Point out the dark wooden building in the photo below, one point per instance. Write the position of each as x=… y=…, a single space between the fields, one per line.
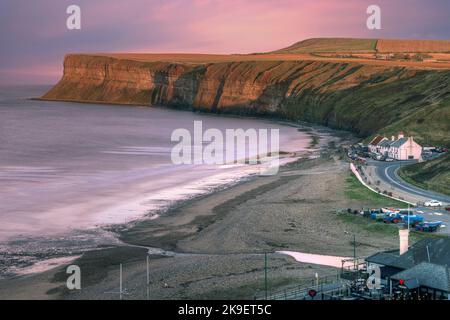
x=423 y=272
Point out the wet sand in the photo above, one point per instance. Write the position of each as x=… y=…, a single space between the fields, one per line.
x=216 y=243
x=68 y=170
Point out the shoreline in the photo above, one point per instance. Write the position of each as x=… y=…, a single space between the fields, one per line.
x=289 y=157
x=116 y=228
x=187 y=231
x=207 y=265
x=122 y=198
x=300 y=124
x=130 y=240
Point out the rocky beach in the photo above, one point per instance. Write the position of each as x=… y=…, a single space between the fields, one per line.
x=213 y=246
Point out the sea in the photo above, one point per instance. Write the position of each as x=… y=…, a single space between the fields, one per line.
x=70 y=171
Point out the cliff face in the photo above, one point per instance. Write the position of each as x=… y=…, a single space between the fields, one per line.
x=357 y=97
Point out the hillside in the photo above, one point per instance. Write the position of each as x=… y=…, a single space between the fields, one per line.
x=353 y=45
x=362 y=98
x=318 y=45
x=358 y=92
x=433 y=175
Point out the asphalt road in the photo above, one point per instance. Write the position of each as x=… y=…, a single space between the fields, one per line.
x=387 y=171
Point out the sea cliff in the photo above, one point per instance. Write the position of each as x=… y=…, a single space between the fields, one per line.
x=362 y=98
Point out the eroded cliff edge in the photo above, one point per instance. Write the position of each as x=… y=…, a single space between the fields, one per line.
x=346 y=95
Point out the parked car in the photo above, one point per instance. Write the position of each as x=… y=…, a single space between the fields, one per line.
x=377 y=214
x=392 y=218
x=377 y=157
x=413 y=219
x=365 y=213
x=428 y=226
x=433 y=203
x=389 y=160
x=397 y=218
x=447 y=208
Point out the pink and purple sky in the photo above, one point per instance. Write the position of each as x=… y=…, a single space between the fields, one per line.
x=34 y=37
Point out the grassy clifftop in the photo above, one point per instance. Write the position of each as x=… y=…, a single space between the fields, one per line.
x=318 y=45
x=355 y=45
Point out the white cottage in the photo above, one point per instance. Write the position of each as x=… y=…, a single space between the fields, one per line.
x=404 y=148
x=399 y=148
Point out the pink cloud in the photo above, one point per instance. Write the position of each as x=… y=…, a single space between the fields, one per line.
x=34 y=32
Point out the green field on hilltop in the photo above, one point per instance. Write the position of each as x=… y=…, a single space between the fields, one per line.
x=324 y=45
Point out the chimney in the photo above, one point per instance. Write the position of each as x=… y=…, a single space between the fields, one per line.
x=404 y=240
x=393 y=138
x=401 y=135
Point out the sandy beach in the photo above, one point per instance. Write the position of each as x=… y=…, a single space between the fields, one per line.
x=212 y=247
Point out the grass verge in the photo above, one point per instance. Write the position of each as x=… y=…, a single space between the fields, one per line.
x=354 y=190
x=431 y=175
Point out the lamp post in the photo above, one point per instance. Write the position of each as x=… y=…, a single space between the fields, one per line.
x=265 y=274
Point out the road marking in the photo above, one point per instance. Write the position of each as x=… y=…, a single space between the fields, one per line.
x=401 y=185
x=425 y=193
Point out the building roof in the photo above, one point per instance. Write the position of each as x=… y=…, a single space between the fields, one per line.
x=384 y=258
x=427 y=274
x=375 y=141
x=385 y=143
x=398 y=143
x=438 y=251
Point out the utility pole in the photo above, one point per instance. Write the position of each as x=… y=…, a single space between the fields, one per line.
x=354 y=251
x=408 y=216
x=121 y=291
x=265 y=274
x=148 y=279
x=120 y=279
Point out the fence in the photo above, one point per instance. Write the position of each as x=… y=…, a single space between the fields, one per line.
x=325 y=287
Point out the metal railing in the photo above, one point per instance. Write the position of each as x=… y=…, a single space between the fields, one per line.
x=322 y=286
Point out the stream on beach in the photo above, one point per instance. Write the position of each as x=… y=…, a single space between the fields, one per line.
x=70 y=170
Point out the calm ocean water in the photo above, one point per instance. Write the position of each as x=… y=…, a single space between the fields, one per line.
x=67 y=169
